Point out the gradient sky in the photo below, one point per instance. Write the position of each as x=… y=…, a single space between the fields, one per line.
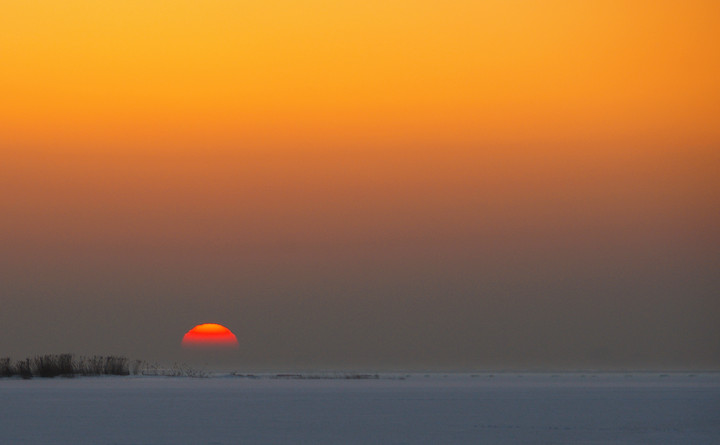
x=376 y=184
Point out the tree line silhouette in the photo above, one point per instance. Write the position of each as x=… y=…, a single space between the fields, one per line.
x=67 y=365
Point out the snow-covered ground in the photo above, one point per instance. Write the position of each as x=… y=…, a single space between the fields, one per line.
x=506 y=408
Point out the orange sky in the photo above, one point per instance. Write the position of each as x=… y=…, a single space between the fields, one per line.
x=134 y=75
x=516 y=172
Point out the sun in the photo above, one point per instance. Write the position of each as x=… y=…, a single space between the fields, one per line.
x=209 y=336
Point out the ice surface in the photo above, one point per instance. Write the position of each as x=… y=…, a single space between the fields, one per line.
x=395 y=409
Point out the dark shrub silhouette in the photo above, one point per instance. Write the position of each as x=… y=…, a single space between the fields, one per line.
x=6 y=368
x=24 y=368
x=53 y=365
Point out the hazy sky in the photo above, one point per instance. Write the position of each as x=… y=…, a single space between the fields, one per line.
x=396 y=184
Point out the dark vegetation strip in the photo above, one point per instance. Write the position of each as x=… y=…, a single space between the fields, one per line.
x=67 y=365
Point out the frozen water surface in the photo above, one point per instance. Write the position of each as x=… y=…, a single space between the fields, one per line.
x=494 y=409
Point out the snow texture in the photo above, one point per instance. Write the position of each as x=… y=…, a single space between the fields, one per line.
x=505 y=408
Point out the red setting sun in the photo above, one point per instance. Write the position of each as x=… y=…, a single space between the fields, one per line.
x=209 y=335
